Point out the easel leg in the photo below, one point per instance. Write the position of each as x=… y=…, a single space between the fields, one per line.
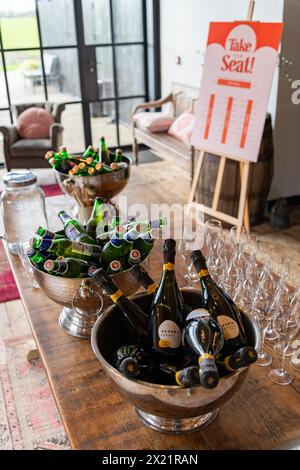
x=246 y=211
x=196 y=177
x=243 y=195
x=219 y=183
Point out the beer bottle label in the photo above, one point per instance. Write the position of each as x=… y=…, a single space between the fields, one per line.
x=72 y=232
x=82 y=248
x=169 y=335
x=229 y=326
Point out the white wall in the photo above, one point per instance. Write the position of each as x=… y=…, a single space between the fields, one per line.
x=184 y=29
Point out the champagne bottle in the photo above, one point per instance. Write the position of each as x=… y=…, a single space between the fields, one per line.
x=131 y=360
x=204 y=337
x=74 y=230
x=68 y=267
x=168 y=311
x=96 y=217
x=43 y=232
x=67 y=248
x=166 y=374
x=142 y=276
x=220 y=307
x=243 y=357
x=136 y=317
x=103 y=152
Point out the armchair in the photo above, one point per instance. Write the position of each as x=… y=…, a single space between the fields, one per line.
x=29 y=153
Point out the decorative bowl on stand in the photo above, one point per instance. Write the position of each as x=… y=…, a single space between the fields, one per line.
x=62 y=291
x=84 y=189
x=169 y=409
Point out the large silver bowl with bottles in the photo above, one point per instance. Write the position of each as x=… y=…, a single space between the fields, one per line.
x=62 y=291
x=84 y=189
x=169 y=409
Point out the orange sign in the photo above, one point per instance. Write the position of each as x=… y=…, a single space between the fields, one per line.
x=237 y=77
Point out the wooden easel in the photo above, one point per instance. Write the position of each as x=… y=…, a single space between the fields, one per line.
x=243 y=211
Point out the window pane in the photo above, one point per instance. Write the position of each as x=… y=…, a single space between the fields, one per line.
x=103 y=123
x=125 y=108
x=128 y=20
x=96 y=20
x=73 y=134
x=62 y=74
x=130 y=70
x=3 y=94
x=57 y=22
x=105 y=72
x=4 y=121
x=25 y=78
x=18 y=24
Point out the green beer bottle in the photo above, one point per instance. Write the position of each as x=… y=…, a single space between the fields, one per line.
x=145 y=243
x=90 y=152
x=96 y=218
x=102 y=168
x=67 y=248
x=74 y=230
x=129 y=238
x=36 y=258
x=118 y=156
x=114 y=267
x=43 y=232
x=68 y=267
x=103 y=152
x=112 y=250
x=134 y=258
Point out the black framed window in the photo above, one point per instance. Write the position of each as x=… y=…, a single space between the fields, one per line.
x=90 y=54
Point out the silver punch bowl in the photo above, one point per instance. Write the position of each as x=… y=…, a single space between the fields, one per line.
x=62 y=291
x=168 y=409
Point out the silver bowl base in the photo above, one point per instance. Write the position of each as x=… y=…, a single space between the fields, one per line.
x=75 y=324
x=176 y=425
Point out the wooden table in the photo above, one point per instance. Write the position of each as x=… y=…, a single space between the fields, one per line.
x=261 y=415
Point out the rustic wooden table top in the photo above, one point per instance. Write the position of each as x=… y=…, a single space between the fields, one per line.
x=260 y=415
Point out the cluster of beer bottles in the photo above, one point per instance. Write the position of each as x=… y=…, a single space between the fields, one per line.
x=177 y=341
x=92 y=162
x=77 y=250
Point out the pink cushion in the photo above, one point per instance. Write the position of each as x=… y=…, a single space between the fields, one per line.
x=182 y=127
x=34 y=123
x=153 y=122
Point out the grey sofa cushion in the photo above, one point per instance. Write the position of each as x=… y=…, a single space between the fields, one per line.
x=30 y=147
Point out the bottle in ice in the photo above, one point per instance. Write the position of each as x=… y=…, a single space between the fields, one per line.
x=166 y=374
x=221 y=307
x=113 y=248
x=168 y=312
x=74 y=230
x=67 y=248
x=243 y=357
x=131 y=360
x=204 y=337
x=96 y=217
x=43 y=232
x=136 y=317
x=145 y=242
x=103 y=152
x=143 y=278
x=68 y=267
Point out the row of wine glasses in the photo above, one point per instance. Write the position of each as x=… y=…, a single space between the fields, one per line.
x=257 y=280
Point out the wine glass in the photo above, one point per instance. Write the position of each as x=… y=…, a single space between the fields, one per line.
x=186 y=245
x=23 y=247
x=286 y=326
x=263 y=309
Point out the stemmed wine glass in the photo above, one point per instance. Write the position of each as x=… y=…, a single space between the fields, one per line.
x=263 y=309
x=286 y=326
x=186 y=245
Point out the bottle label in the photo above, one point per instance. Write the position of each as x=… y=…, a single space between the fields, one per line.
x=72 y=232
x=82 y=248
x=169 y=335
x=229 y=326
x=198 y=313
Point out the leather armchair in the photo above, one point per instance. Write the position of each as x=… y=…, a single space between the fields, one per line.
x=29 y=153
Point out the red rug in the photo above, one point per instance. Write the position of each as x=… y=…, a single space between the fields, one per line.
x=8 y=287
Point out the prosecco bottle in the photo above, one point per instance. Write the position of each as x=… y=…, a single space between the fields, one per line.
x=220 y=307
x=131 y=360
x=243 y=357
x=74 y=230
x=142 y=276
x=67 y=248
x=96 y=217
x=68 y=267
x=168 y=312
x=204 y=337
x=136 y=317
x=166 y=374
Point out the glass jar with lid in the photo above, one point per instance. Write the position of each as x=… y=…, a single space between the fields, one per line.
x=23 y=207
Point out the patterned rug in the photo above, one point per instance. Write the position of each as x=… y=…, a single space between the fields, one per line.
x=28 y=415
x=8 y=288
